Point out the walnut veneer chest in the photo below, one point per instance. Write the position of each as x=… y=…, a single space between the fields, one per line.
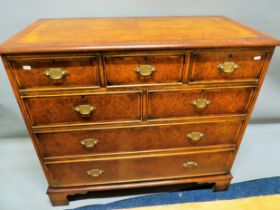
x=114 y=103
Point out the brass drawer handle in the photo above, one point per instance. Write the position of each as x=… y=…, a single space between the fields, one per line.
x=195 y=136
x=95 y=172
x=89 y=143
x=201 y=103
x=84 y=109
x=228 y=67
x=145 y=70
x=55 y=73
x=190 y=164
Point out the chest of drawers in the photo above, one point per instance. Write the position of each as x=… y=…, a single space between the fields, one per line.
x=117 y=103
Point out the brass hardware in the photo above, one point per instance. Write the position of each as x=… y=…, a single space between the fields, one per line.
x=145 y=70
x=84 y=109
x=201 y=103
x=195 y=136
x=95 y=172
x=228 y=67
x=89 y=143
x=190 y=164
x=55 y=73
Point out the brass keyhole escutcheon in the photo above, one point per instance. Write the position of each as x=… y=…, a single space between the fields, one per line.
x=84 y=109
x=201 y=103
x=228 y=67
x=56 y=73
x=195 y=136
x=145 y=70
x=95 y=172
x=89 y=143
x=190 y=164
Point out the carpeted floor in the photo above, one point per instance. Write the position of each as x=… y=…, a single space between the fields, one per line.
x=269 y=202
x=262 y=194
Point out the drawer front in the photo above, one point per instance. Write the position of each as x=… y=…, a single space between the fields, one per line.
x=85 y=109
x=94 y=172
x=183 y=103
x=138 y=139
x=144 y=70
x=56 y=72
x=226 y=66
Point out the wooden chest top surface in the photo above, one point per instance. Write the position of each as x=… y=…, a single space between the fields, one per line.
x=86 y=34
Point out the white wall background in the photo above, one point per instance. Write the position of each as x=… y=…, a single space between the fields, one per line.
x=262 y=15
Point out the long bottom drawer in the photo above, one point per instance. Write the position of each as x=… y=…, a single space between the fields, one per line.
x=138 y=168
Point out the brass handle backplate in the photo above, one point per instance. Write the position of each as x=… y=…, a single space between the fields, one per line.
x=228 y=67
x=95 y=172
x=201 y=103
x=55 y=73
x=89 y=143
x=84 y=109
x=190 y=164
x=195 y=136
x=145 y=70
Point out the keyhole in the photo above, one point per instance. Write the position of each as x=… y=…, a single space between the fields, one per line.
x=83 y=99
x=146 y=60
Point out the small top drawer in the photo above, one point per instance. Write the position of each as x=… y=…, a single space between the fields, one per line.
x=224 y=66
x=56 y=72
x=125 y=70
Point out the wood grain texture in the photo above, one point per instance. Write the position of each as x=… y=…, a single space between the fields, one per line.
x=121 y=70
x=178 y=103
x=108 y=108
x=138 y=139
x=204 y=67
x=49 y=35
x=82 y=72
x=137 y=169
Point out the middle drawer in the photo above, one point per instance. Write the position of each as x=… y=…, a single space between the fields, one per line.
x=89 y=108
x=118 y=107
x=125 y=139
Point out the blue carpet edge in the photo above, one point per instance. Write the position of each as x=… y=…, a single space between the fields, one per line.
x=259 y=187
